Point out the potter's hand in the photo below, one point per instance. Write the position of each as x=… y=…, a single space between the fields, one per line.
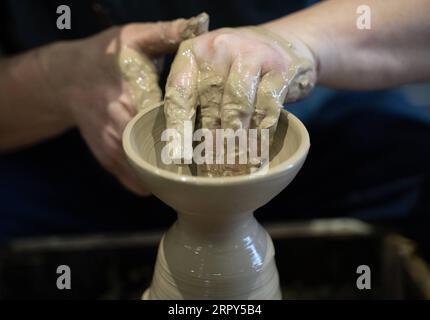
x=106 y=78
x=239 y=77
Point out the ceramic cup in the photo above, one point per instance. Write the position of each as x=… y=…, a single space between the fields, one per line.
x=216 y=249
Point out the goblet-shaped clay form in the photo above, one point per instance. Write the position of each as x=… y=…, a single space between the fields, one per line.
x=216 y=249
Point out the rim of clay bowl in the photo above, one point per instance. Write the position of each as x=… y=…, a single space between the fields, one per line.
x=276 y=171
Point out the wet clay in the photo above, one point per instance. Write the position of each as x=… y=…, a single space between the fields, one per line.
x=278 y=87
x=140 y=72
x=248 y=99
x=301 y=75
x=216 y=249
x=195 y=26
x=141 y=77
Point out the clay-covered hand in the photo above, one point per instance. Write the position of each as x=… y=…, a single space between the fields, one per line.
x=102 y=81
x=240 y=78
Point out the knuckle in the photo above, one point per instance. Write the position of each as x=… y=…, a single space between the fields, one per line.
x=186 y=44
x=178 y=92
x=266 y=91
x=226 y=30
x=108 y=136
x=129 y=26
x=223 y=40
x=130 y=29
x=210 y=83
x=117 y=29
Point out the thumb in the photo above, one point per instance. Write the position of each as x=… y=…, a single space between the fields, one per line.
x=163 y=37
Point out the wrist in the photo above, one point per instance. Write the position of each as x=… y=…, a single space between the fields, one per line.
x=303 y=65
x=55 y=82
x=302 y=40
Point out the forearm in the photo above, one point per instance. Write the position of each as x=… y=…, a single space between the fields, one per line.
x=395 y=51
x=29 y=109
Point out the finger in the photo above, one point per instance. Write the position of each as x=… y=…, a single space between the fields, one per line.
x=141 y=77
x=116 y=163
x=127 y=177
x=239 y=94
x=237 y=107
x=181 y=93
x=195 y=26
x=302 y=81
x=271 y=94
x=119 y=116
x=153 y=39
x=164 y=37
x=112 y=158
x=212 y=77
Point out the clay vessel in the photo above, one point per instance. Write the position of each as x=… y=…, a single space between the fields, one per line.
x=216 y=249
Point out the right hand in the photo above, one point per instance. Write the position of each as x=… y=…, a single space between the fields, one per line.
x=239 y=78
x=101 y=81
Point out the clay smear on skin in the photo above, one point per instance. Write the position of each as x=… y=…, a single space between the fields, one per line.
x=140 y=75
x=139 y=71
x=269 y=93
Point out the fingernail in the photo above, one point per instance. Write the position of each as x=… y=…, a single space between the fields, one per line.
x=196 y=26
